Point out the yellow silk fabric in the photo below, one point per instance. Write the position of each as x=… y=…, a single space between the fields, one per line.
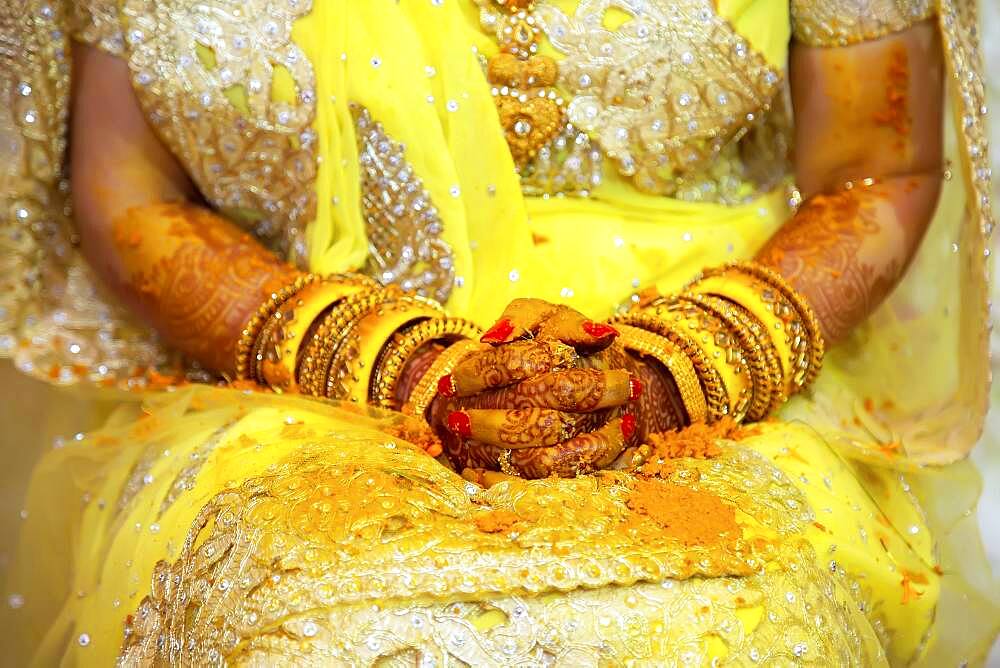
x=124 y=499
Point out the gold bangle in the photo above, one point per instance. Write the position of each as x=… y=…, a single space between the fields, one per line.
x=257 y=369
x=310 y=360
x=711 y=381
x=722 y=349
x=330 y=335
x=677 y=363
x=352 y=367
x=251 y=331
x=775 y=314
x=759 y=352
x=807 y=315
x=296 y=317
x=427 y=387
x=404 y=344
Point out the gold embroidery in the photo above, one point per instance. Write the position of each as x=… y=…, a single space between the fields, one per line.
x=54 y=321
x=332 y=558
x=98 y=22
x=843 y=22
x=402 y=223
x=530 y=110
x=664 y=92
x=204 y=75
x=959 y=24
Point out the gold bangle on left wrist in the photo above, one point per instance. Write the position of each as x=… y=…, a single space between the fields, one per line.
x=294 y=320
x=405 y=343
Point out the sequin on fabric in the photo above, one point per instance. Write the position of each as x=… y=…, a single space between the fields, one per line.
x=402 y=224
x=203 y=74
x=54 y=321
x=666 y=94
x=843 y=22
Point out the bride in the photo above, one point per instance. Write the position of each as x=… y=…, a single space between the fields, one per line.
x=490 y=332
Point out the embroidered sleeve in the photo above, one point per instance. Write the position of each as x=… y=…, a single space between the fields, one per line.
x=96 y=22
x=54 y=321
x=844 y=22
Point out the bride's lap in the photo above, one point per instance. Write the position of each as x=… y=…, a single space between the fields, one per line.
x=256 y=526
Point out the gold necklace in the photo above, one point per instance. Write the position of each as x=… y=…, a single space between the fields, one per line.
x=531 y=111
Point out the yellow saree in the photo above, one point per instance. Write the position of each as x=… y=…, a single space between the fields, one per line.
x=207 y=525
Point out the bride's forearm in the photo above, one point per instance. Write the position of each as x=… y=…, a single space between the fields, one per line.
x=868 y=137
x=195 y=277
x=846 y=251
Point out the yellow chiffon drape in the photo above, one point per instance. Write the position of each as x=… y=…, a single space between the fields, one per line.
x=306 y=532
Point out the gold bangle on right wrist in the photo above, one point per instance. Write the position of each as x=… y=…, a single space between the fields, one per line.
x=353 y=366
x=331 y=334
x=295 y=319
x=404 y=344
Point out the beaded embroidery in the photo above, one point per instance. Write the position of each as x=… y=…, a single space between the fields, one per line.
x=551 y=155
x=663 y=93
x=54 y=321
x=674 y=96
x=362 y=553
x=203 y=73
x=843 y=22
x=402 y=224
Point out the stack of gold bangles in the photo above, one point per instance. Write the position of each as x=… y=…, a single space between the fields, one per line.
x=341 y=337
x=738 y=341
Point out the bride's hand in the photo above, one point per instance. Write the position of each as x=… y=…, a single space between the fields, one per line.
x=537 y=406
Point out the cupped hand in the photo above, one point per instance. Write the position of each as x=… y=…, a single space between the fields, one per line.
x=551 y=397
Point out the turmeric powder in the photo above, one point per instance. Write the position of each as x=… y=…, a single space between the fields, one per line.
x=693 y=517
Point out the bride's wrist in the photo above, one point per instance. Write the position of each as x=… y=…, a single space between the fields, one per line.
x=415 y=369
x=659 y=407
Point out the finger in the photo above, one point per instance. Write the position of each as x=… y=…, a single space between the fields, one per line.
x=570 y=390
x=505 y=365
x=540 y=319
x=518 y=428
x=521 y=318
x=583 y=454
x=573 y=328
x=485 y=477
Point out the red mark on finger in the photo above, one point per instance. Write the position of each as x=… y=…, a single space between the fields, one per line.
x=499 y=332
x=446 y=386
x=459 y=423
x=599 y=330
x=628 y=426
x=634 y=388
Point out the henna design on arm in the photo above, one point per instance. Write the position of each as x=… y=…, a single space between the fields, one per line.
x=869 y=152
x=196 y=277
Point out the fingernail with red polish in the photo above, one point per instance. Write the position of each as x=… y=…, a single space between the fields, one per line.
x=446 y=386
x=634 y=388
x=628 y=426
x=599 y=330
x=459 y=423
x=498 y=332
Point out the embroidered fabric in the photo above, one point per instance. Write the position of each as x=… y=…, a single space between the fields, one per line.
x=401 y=221
x=273 y=569
x=843 y=22
x=54 y=322
x=203 y=73
x=665 y=93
